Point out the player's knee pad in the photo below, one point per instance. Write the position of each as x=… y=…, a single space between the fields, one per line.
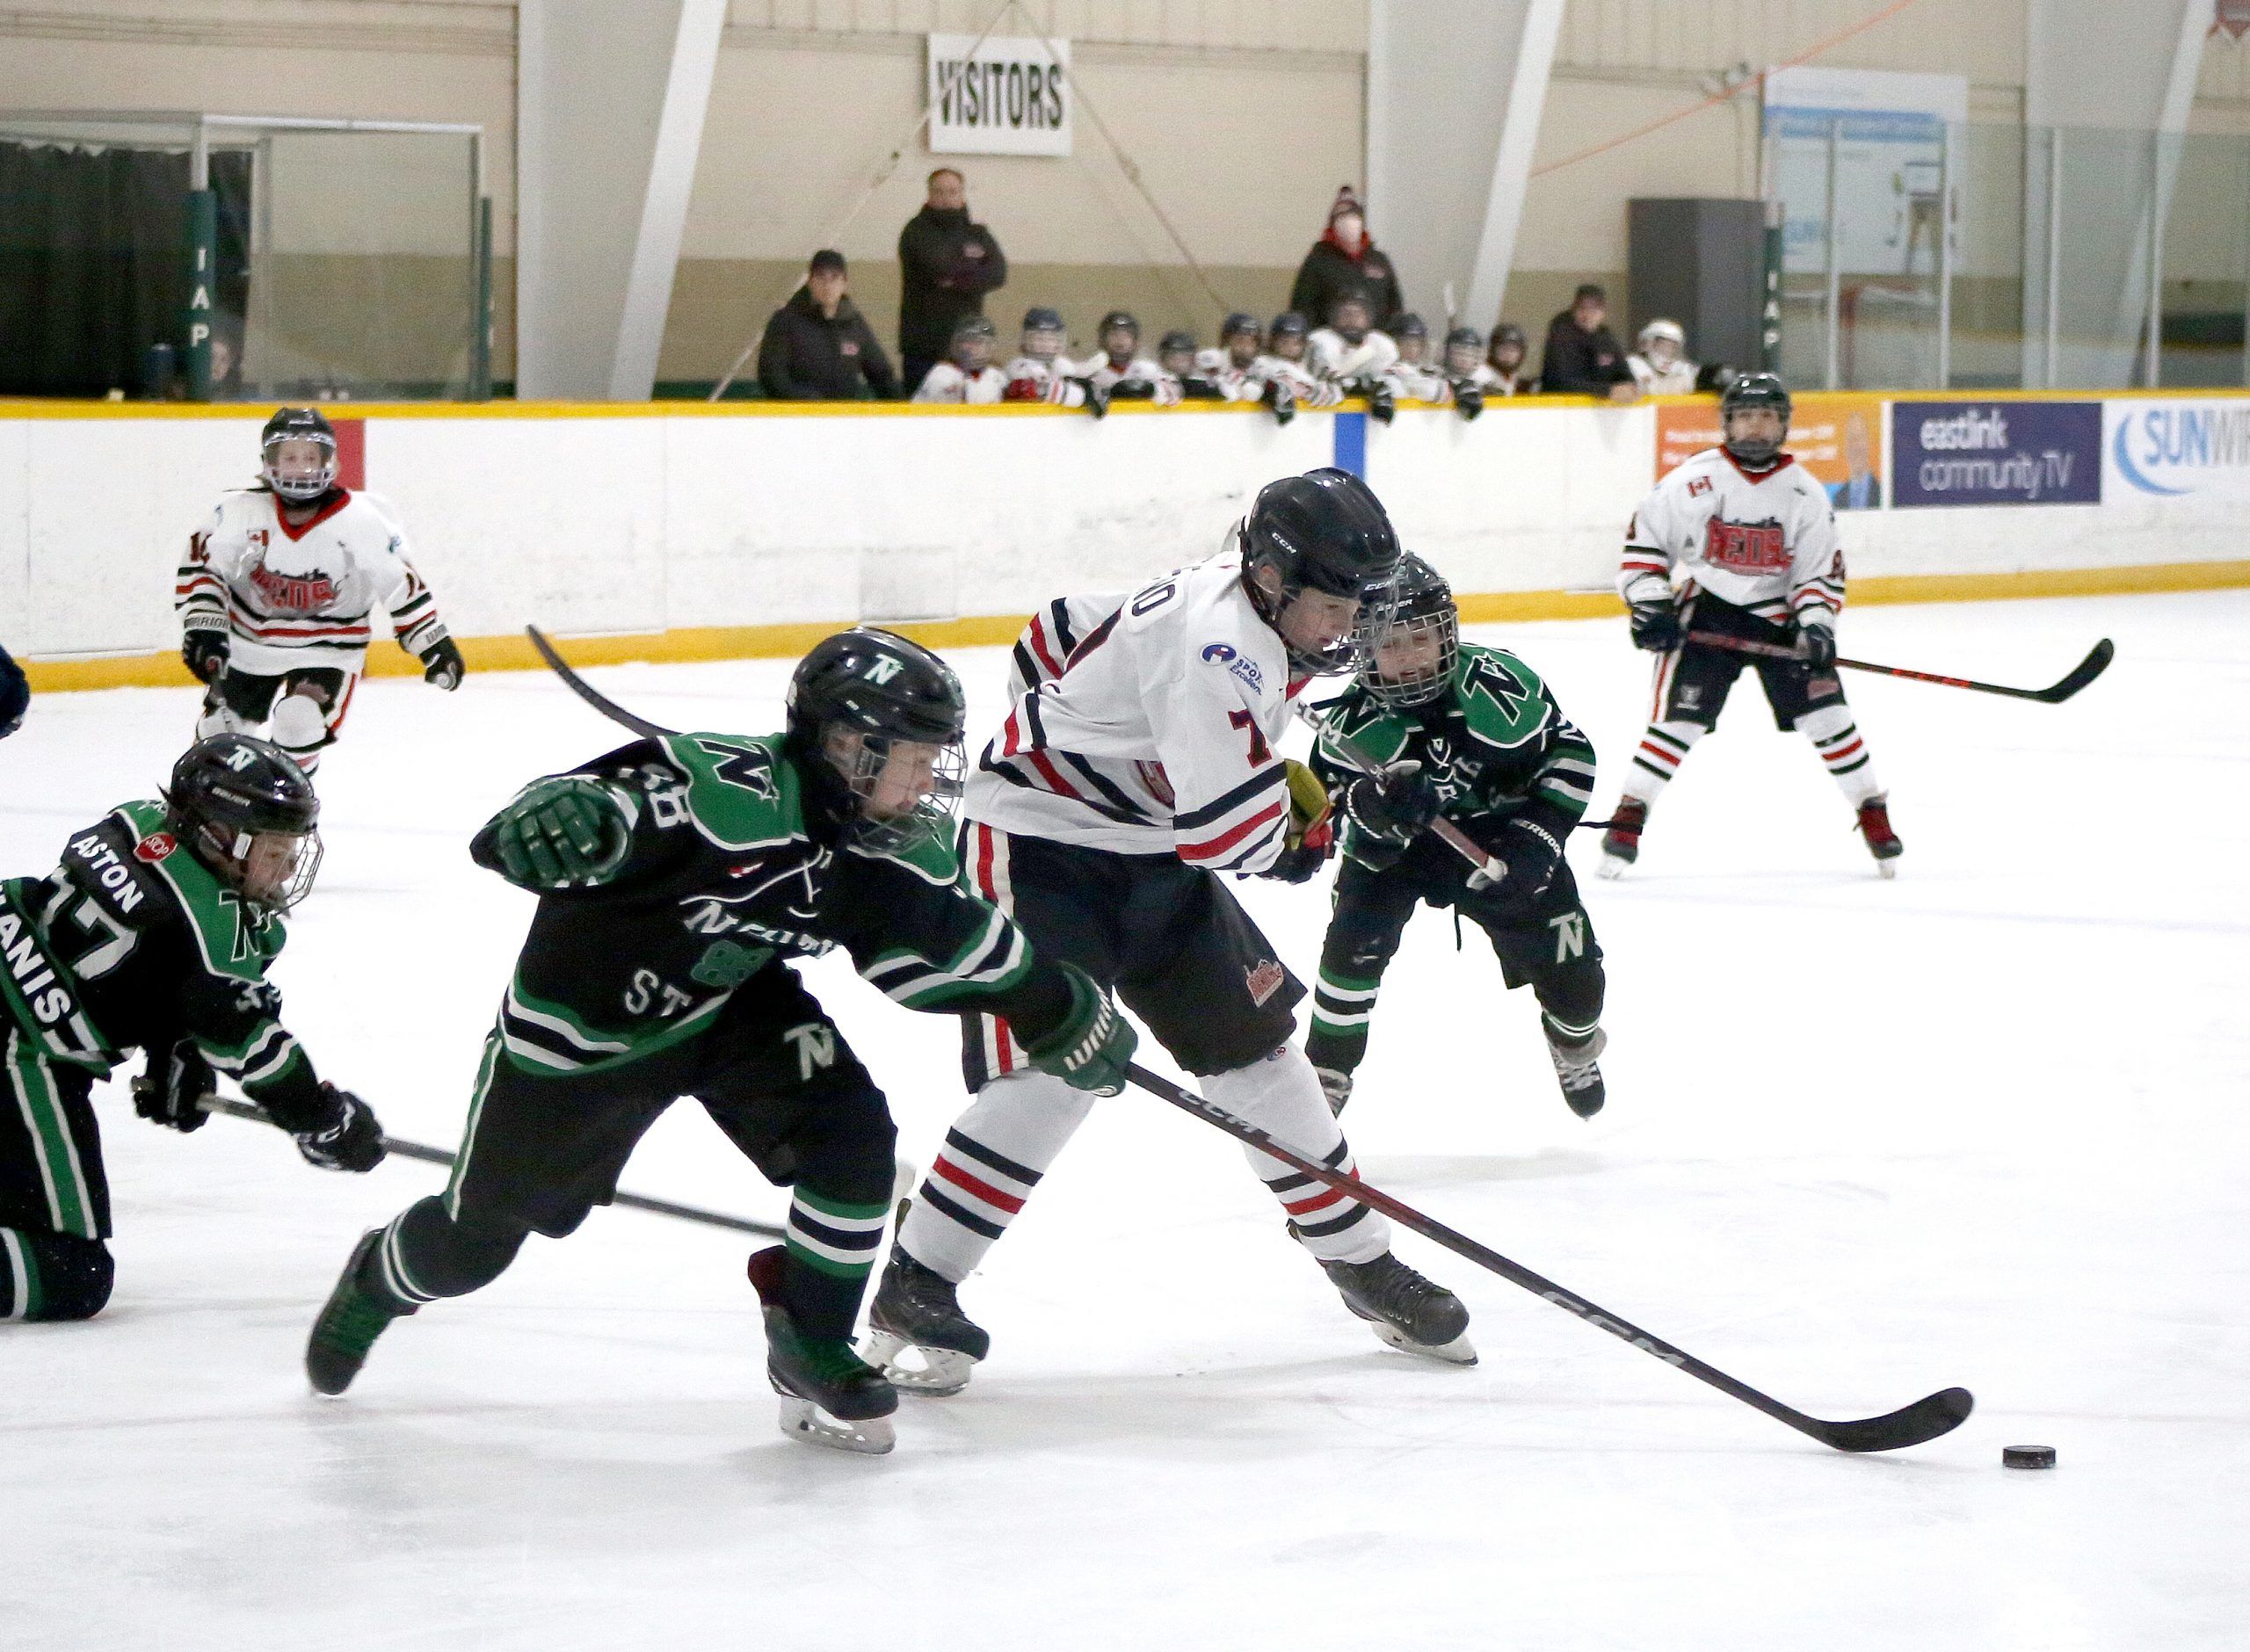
x=300 y=724
x=53 y=1275
x=1825 y=722
x=1572 y=992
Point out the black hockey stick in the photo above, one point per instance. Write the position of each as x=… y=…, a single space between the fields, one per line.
x=1925 y=1420
x=591 y=695
x=439 y=1156
x=2096 y=661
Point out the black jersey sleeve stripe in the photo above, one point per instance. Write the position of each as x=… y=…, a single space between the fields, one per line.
x=1227 y=802
x=1058 y=612
x=1104 y=784
x=1095 y=638
x=1006 y=769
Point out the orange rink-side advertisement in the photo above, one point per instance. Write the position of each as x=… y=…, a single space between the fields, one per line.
x=1838 y=439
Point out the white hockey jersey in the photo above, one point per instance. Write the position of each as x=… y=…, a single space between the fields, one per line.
x=1328 y=354
x=297 y=596
x=1164 y=389
x=1309 y=389
x=1215 y=366
x=1677 y=379
x=1145 y=724
x=1028 y=378
x=1765 y=542
x=1418 y=382
x=947 y=383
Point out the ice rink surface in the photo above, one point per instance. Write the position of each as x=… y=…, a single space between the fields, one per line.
x=1983 y=1125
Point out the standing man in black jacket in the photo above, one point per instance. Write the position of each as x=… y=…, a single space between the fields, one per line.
x=947 y=265
x=818 y=347
x=1583 y=356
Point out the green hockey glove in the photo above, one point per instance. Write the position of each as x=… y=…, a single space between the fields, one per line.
x=569 y=833
x=1091 y=1047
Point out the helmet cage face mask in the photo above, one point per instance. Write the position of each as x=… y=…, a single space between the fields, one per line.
x=297 y=486
x=1415 y=617
x=1043 y=344
x=237 y=858
x=860 y=765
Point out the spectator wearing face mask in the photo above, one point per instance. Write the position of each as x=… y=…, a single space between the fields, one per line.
x=1583 y=356
x=1345 y=260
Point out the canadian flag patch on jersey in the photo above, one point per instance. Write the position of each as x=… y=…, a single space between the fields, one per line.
x=1748 y=547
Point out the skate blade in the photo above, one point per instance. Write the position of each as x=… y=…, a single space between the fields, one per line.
x=1611 y=867
x=931 y=1372
x=803 y=1421
x=1459 y=1352
x=1888 y=868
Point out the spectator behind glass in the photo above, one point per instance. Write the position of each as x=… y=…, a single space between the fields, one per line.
x=1582 y=357
x=947 y=265
x=818 y=347
x=1345 y=260
x=1506 y=360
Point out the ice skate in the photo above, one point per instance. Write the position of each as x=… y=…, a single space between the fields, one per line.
x=1621 y=845
x=830 y=1397
x=1406 y=1310
x=353 y=1316
x=1337 y=1086
x=1577 y=1070
x=917 y=1332
x=1881 y=842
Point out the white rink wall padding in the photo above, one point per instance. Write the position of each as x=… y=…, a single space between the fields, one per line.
x=1982 y=1125
x=670 y=532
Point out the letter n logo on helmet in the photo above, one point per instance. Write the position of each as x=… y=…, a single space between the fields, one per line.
x=882 y=668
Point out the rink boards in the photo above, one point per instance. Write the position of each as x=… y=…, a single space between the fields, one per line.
x=678 y=531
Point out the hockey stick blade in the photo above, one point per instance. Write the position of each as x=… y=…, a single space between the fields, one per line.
x=429 y=1155
x=2096 y=661
x=591 y=695
x=1923 y=1421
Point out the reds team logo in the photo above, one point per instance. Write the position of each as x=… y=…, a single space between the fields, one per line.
x=154 y=847
x=1747 y=547
x=300 y=593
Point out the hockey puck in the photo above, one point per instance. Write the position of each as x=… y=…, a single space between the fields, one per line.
x=2026 y=1456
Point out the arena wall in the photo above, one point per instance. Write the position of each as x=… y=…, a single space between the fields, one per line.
x=672 y=531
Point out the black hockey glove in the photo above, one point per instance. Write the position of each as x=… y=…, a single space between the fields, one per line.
x=560 y=834
x=1469 y=399
x=442 y=663
x=1383 y=407
x=1097 y=398
x=353 y=1140
x=1657 y=627
x=205 y=650
x=173 y=1090
x=1090 y=1049
x=1819 y=645
x=1530 y=853
x=1280 y=402
x=1312 y=831
x=1397 y=806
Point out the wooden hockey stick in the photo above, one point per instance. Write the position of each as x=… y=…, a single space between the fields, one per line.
x=1925 y=1420
x=439 y=1156
x=2096 y=661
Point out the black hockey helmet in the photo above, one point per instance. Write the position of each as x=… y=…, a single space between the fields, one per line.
x=1755 y=389
x=245 y=810
x=1238 y=322
x=1040 y=319
x=1114 y=319
x=1410 y=325
x=1324 y=532
x=1424 y=607
x=1178 y=342
x=851 y=698
x=298 y=425
x=1287 y=324
x=1465 y=351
